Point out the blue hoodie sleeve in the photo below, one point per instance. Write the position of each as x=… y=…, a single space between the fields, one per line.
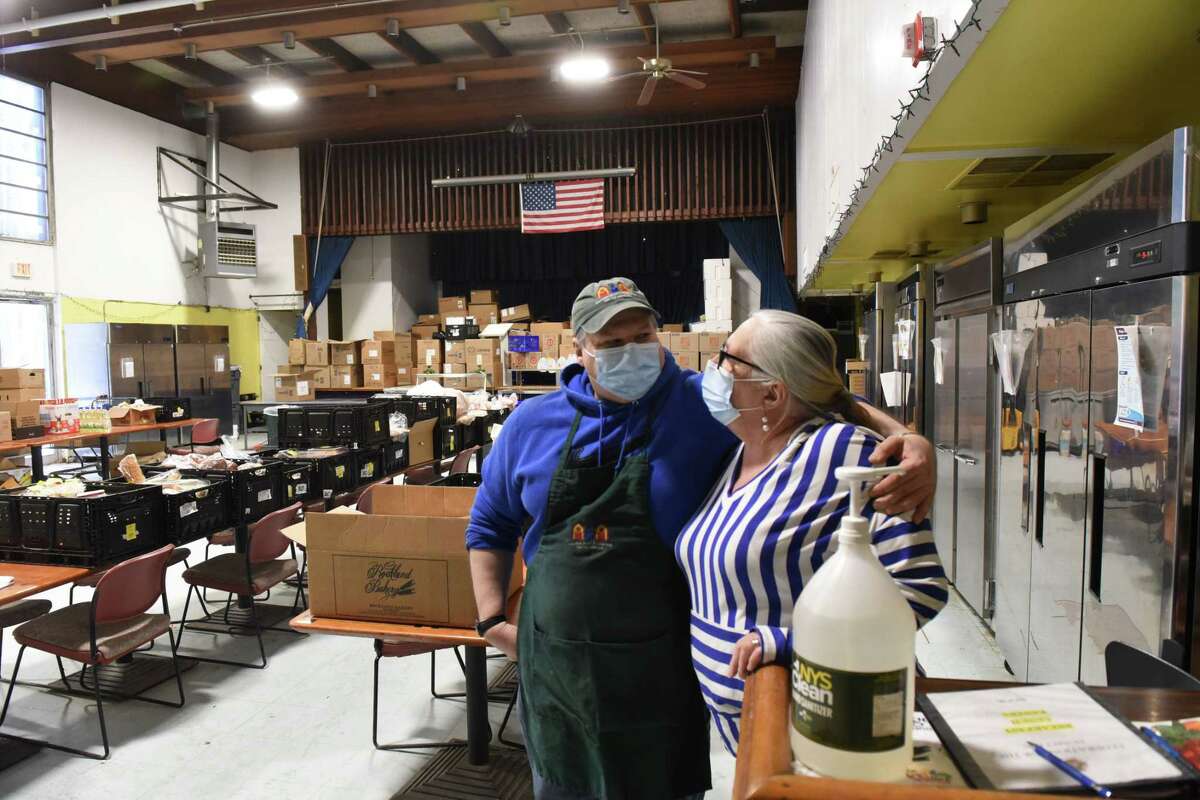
x=498 y=515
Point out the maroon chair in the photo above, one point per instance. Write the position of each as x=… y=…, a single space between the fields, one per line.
x=114 y=624
x=462 y=461
x=206 y=439
x=421 y=476
x=366 y=499
x=248 y=574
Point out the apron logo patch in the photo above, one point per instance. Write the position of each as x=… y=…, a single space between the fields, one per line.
x=577 y=532
x=601 y=534
x=590 y=538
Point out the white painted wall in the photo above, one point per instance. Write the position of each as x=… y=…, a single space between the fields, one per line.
x=415 y=291
x=367 y=287
x=40 y=257
x=853 y=76
x=747 y=289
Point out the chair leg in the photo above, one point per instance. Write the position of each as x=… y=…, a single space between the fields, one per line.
x=12 y=684
x=433 y=677
x=375 y=720
x=175 y=663
x=504 y=724
x=103 y=727
x=99 y=710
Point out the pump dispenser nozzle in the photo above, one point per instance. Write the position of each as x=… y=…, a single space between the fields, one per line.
x=859 y=479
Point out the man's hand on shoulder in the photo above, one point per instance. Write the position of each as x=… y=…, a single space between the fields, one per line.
x=912 y=491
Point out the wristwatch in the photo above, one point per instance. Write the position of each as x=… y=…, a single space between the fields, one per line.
x=483 y=626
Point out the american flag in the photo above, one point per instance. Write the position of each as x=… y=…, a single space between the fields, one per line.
x=562 y=206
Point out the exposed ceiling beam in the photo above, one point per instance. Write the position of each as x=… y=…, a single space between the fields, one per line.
x=322 y=21
x=339 y=55
x=732 y=90
x=482 y=35
x=646 y=20
x=202 y=70
x=765 y=6
x=558 y=22
x=735 y=18
x=257 y=56
x=730 y=52
x=410 y=48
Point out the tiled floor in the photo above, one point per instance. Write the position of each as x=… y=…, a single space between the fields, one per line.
x=957 y=644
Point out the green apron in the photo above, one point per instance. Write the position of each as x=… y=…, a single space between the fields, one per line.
x=612 y=706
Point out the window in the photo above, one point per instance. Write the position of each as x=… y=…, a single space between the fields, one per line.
x=24 y=161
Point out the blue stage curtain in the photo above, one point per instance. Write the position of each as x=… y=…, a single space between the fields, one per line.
x=756 y=240
x=327 y=261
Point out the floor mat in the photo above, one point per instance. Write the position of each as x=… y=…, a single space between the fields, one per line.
x=448 y=776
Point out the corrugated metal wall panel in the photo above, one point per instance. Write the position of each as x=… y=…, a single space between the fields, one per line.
x=686 y=171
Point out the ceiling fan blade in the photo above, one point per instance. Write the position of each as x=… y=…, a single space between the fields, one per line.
x=689 y=71
x=685 y=80
x=647 y=91
x=626 y=75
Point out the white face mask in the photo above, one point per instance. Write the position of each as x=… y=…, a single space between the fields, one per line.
x=717 y=389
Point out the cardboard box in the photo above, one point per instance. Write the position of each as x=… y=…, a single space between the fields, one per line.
x=515 y=313
x=480 y=352
x=428 y=319
x=489 y=296
x=378 y=351
x=548 y=343
x=322 y=377
x=685 y=343
x=706 y=356
x=688 y=361
x=710 y=342
x=316 y=354
x=383 y=335
x=425 y=331
x=405 y=375
x=404 y=562
x=148 y=453
x=716 y=268
x=664 y=339
x=290 y=388
x=296 y=351
x=403 y=349
x=290 y=369
x=6 y=427
x=22 y=378
x=455 y=353
x=671 y=327
x=379 y=376
x=554 y=329
x=23 y=413
x=484 y=313
x=421 y=441
x=344 y=354
x=452 y=306
x=18 y=395
x=345 y=377
x=429 y=352
x=566 y=338
x=127 y=416
x=713 y=325
x=856 y=377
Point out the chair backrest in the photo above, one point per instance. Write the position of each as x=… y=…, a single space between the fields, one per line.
x=267 y=541
x=206 y=431
x=366 y=500
x=131 y=587
x=420 y=476
x=1133 y=668
x=462 y=461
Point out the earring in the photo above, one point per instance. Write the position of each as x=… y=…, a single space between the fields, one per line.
x=766 y=427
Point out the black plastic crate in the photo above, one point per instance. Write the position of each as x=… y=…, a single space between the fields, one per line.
x=193 y=514
x=10 y=521
x=443 y=409
x=253 y=494
x=395 y=456
x=330 y=475
x=466 y=479
x=293 y=426
x=297 y=482
x=91 y=531
x=446 y=441
x=468 y=435
x=456 y=333
x=173 y=408
x=358 y=424
x=368 y=464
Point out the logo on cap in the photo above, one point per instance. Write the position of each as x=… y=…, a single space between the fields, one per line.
x=604 y=290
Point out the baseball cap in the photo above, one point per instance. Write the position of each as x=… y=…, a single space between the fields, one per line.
x=599 y=302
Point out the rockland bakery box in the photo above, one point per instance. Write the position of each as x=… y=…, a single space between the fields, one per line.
x=406 y=561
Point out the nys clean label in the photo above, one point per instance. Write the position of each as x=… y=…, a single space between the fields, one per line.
x=858 y=711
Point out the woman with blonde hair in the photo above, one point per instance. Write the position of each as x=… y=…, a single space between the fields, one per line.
x=768 y=523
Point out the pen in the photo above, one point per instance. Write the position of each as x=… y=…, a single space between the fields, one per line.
x=1079 y=777
x=1155 y=737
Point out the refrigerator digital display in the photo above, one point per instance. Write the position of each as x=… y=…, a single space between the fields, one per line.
x=1146 y=254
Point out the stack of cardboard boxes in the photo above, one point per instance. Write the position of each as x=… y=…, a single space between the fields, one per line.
x=691 y=350
x=21 y=393
x=718 y=296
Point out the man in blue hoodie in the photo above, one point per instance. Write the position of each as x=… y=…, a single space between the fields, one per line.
x=600 y=478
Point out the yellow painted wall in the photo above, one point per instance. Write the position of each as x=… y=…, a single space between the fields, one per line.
x=243 y=326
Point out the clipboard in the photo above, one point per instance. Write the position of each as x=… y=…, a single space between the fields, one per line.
x=972 y=762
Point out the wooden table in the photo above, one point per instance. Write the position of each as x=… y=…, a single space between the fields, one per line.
x=31 y=579
x=479 y=730
x=35 y=445
x=764 y=762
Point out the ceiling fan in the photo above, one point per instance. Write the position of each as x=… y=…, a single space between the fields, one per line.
x=657 y=68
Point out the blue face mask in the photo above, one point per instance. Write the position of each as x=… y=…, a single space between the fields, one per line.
x=628 y=371
x=717 y=389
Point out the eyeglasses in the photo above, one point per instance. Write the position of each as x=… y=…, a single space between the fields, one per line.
x=724 y=355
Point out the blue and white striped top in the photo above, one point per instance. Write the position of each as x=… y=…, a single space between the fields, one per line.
x=749 y=552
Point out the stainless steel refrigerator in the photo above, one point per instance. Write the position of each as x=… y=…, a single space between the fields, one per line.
x=907 y=352
x=958 y=418
x=878 y=321
x=1095 y=510
x=204 y=371
x=120 y=360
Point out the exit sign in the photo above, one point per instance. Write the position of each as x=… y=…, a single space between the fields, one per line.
x=22 y=269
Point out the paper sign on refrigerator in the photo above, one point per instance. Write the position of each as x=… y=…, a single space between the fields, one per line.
x=939 y=360
x=862 y=346
x=1142 y=353
x=895 y=388
x=1010 y=347
x=906 y=329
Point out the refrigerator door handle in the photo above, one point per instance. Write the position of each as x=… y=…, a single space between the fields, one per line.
x=970 y=461
x=1099 y=462
x=202 y=386
x=140 y=392
x=941 y=448
x=1026 y=474
x=1040 y=487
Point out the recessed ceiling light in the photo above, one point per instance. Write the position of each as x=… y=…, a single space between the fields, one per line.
x=274 y=95
x=584 y=69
